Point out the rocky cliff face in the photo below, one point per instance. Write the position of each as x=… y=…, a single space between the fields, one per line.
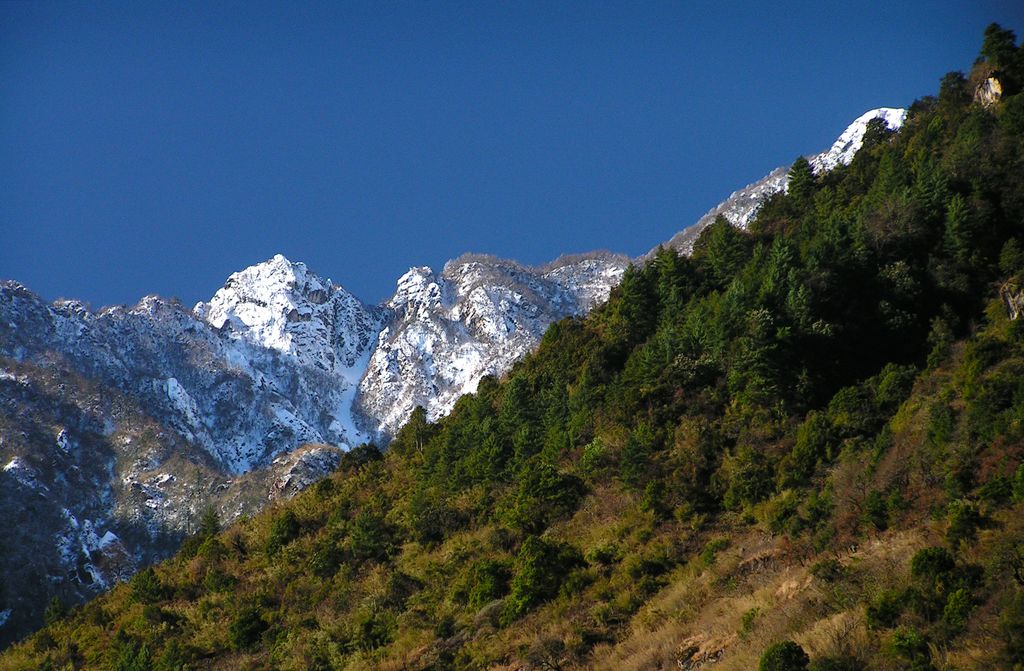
x=92 y=485
x=474 y=318
x=989 y=91
x=742 y=205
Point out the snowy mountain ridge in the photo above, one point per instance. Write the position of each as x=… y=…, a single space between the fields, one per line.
x=742 y=205
x=476 y=317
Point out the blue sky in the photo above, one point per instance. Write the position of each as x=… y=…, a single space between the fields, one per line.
x=156 y=148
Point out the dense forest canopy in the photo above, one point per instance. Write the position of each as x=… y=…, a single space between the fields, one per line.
x=800 y=447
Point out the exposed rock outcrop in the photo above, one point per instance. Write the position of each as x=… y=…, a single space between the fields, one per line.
x=1013 y=298
x=989 y=91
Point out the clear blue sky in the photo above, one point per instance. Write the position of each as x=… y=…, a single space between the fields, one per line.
x=156 y=148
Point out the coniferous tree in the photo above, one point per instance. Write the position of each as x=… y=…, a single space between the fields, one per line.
x=800 y=183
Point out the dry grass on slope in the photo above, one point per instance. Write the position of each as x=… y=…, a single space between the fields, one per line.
x=751 y=597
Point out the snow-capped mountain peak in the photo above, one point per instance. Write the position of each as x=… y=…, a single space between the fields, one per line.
x=418 y=288
x=849 y=142
x=281 y=305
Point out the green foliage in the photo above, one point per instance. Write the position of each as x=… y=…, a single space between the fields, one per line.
x=370 y=537
x=911 y=646
x=543 y=495
x=55 y=610
x=1011 y=628
x=246 y=628
x=876 y=511
x=366 y=453
x=931 y=566
x=784 y=656
x=801 y=179
x=828 y=570
x=747 y=620
x=722 y=249
x=957 y=609
x=1001 y=52
x=747 y=476
x=127 y=654
x=538 y=571
x=283 y=530
x=488 y=580
x=209 y=526
x=964 y=520
x=209 y=523
x=1011 y=257
x=885 y=609
x=372 y=629
x=146 y=587
x=172 y=658
x=711 y=550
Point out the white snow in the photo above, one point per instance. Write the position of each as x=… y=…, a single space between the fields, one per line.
x=162 y=479
x=283 y=306
x=8 y=375
x=80 y=539
x=183 y=401
x=62 y=440
x=24 y=474
x=108 y=538
x=845 y=147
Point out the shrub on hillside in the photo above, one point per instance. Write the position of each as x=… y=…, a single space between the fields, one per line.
x=538 y=573
x=784 y=656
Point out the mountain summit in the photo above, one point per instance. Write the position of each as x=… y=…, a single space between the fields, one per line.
x=281 y=305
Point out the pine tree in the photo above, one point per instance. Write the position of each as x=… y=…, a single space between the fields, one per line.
x=956 y=240
x=800 y=183
x=999 y=47
x=723 y=249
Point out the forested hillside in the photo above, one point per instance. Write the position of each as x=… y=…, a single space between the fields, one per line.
x=801 y=447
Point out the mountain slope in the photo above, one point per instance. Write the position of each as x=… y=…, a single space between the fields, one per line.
x=737 y=457
x=211 y=407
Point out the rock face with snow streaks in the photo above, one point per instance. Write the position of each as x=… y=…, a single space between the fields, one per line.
x=282 y=306
x=475 y=318
x=267 y=369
